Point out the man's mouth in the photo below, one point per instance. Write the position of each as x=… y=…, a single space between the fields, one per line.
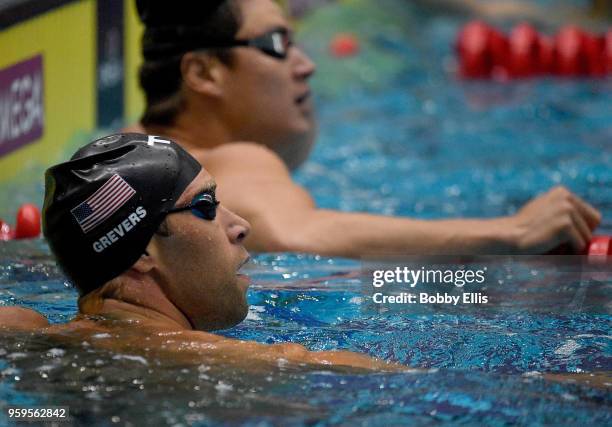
x=242 y=264
x=243 y=279
x=300 y=99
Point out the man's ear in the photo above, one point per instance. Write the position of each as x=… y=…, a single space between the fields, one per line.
x=144 y=264
x=203 y=73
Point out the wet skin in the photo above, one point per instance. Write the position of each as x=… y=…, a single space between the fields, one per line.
x=188 y=282
x=264 y=99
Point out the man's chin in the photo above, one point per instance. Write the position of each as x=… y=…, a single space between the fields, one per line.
x=241 y=309
x=232 y=319
x=243 y=281
x=239 y=316
x=295 y=148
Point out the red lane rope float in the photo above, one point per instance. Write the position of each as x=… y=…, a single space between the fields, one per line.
x=570 y=58
x=5 y=231
x=546 y=54
x=600 y=250
x=600 y=246
x=473 y=47
x=608 y=51
x=485 y=52
x=524 y=51
x=27 y=224
x=595 y=53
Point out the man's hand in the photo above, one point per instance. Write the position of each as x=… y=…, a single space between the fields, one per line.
x=554 y=218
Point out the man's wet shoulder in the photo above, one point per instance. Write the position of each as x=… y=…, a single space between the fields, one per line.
x=21 y=319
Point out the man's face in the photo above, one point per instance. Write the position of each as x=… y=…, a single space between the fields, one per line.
x=199 y=259
x=267 y=99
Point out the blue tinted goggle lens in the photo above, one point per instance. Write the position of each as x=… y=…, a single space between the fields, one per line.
x=203 y=206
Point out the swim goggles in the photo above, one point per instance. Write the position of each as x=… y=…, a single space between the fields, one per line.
x=275 y=43
x=203 y=206
x=164 y=42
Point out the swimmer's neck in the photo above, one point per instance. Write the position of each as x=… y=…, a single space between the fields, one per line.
x=194 y=133
x=199 y=135
x=204 y=131
x=113 y=309
x=144 y=302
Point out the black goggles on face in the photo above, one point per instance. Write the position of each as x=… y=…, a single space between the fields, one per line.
x=203 y=206
x=275 y=43
x=164 y=42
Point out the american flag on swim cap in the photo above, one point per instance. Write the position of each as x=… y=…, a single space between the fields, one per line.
x=103 y=203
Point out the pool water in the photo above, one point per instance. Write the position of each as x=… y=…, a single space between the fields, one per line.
x=400 y=135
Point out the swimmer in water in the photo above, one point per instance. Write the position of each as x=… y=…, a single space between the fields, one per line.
x=134 y=222
x=220 y=72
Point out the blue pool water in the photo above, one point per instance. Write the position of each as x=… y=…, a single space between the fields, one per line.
x=400 y=135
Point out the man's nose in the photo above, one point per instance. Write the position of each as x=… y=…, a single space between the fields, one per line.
x=236 y=227
x=303 y=67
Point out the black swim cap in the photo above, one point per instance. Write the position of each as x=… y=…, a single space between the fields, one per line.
x=173 y=28
x=103 y=206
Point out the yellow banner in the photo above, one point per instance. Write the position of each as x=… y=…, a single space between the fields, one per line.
x=64 y=39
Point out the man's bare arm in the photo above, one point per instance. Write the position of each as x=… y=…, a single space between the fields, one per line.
x=192 y=346
x=255 y=183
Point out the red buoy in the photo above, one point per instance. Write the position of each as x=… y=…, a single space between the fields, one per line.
x=499 y=49
x=570 y=57
x=546 y=54
x=594 y=52
x=600 y=246
x=474 y=50
x=485 y=52
x=28 y=222
x=343 y=45
x=524 y=51
x=608 y=51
